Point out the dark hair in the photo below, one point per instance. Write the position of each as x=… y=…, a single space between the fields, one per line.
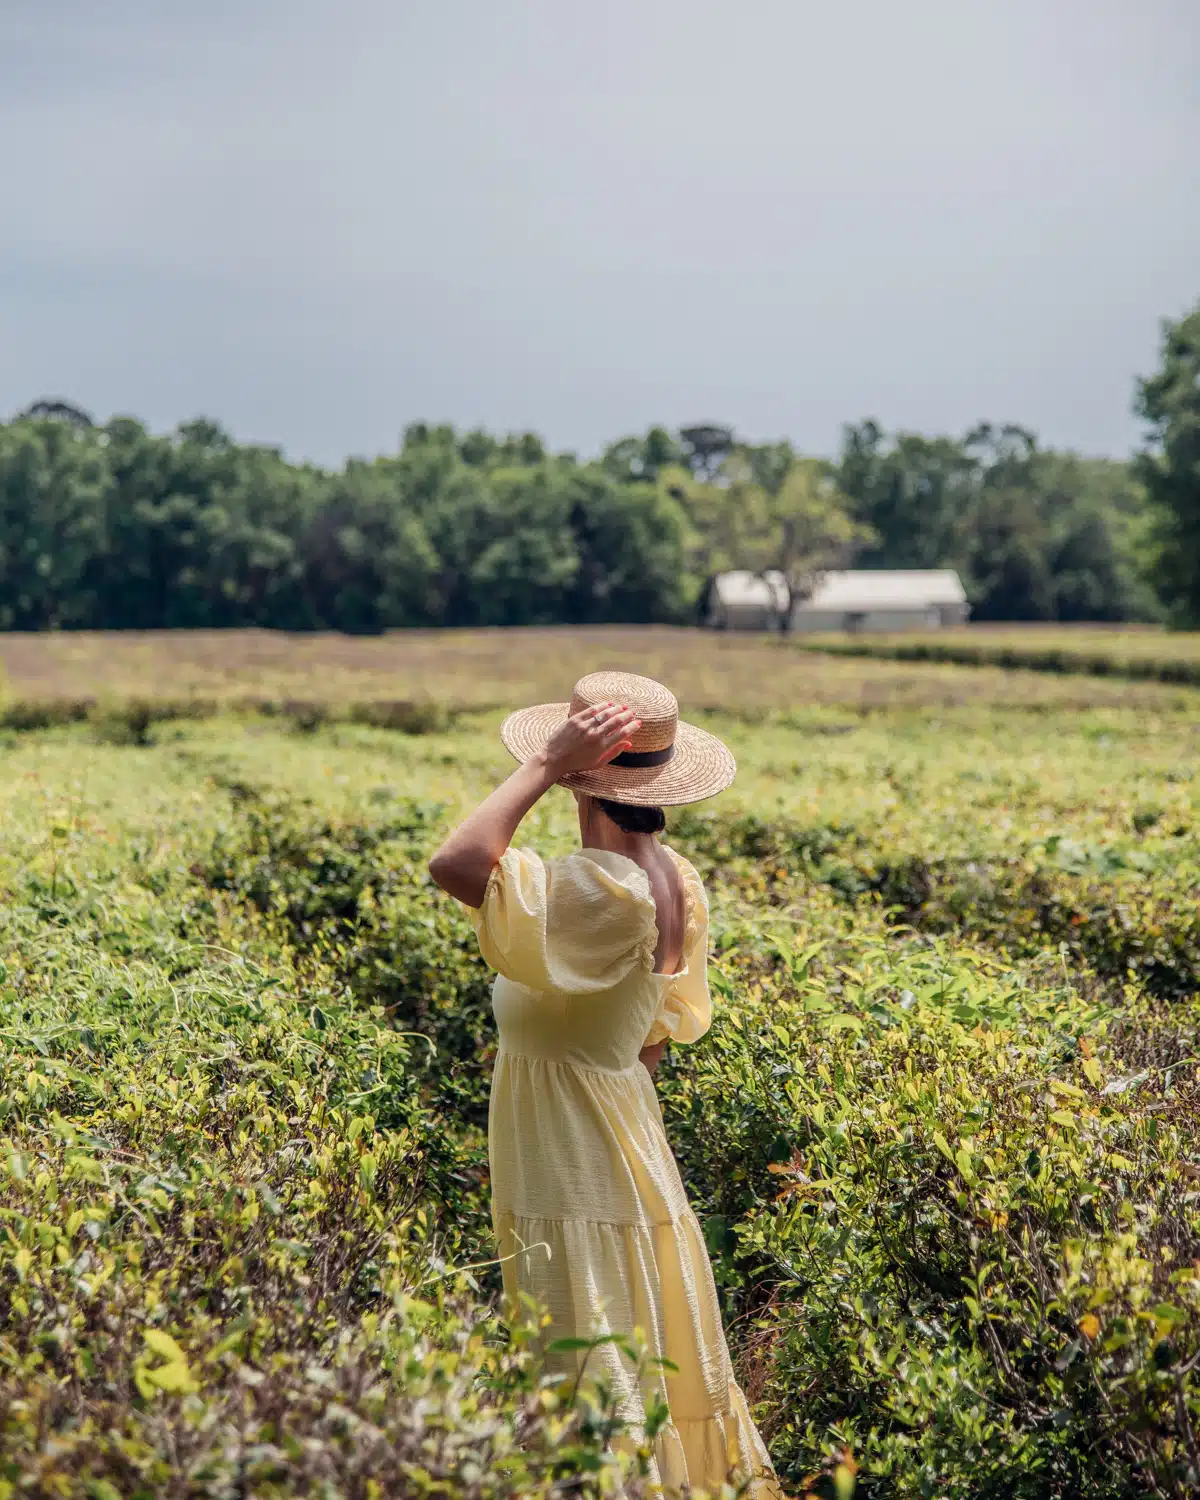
x=632 y=819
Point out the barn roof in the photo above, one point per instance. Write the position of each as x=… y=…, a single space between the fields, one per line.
x=852 y=592
x=744 y=590
x=859 y=590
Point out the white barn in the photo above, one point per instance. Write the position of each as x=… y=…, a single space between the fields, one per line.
x=747 y=601
x=855 y=600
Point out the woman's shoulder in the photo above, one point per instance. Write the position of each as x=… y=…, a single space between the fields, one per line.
x=573 y=923
x=584 y=873
x=601 y=904
x=691 y=876
x=613 y=871
x=590 y=879
x=603 y=870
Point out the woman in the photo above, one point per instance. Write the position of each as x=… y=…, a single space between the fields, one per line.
x=602 y=959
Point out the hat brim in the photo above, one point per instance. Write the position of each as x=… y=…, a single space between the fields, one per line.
x=700 y=768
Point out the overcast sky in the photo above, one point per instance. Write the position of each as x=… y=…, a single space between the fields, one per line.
x=318 y=221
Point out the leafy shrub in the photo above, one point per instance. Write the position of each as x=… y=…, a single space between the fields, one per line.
x=406 y=715
x=306 y=715
x=1177 y=669
x=941 y=1137
x=219 y=1271
x=1117 y=926
x=130 y=721
x=965 y=1228
x=44 y=713
x=356 y=896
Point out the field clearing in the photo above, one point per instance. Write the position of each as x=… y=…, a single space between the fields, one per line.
x=942 y=1137
x=715 y=671
x=1120 y=637
x=1114 y=783
x=1137 y=653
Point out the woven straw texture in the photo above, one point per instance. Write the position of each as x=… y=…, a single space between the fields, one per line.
x=700 y=767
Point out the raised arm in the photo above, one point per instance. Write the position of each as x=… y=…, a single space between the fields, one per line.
x=591 y=738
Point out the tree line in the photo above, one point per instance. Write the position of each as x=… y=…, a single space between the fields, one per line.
x=111 y=526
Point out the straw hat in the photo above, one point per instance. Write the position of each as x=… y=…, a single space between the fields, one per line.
x=670 y=762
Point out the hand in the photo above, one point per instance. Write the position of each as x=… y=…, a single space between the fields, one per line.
x=651 y=1056
x=590 y=738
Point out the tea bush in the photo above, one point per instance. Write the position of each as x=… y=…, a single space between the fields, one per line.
x=967 y=1214
x=226 y=1218
x=942 y=1135
x=1118 y=925
x=1154 y=657
x=357 y=895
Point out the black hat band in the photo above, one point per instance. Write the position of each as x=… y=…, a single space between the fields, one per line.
x=643 y=757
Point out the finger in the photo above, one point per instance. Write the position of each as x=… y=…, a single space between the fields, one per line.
x=610 y=712
x=614 y=750
x=586 y=717
x=626 y=723
x=602 y=718
x=620 y=740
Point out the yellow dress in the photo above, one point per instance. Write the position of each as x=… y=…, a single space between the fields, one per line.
x=588 y=1207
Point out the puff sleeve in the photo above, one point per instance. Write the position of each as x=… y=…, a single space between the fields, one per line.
x=575 y=925
x=685 y=1009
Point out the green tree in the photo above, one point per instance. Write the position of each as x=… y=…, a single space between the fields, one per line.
x=1035 y=535
x=631 y=542
x=1008 y=559
x=1169 y=402
x=916 y=493
x=524 y=554
x=800 y=529
x=705 y=447
x=199 y=531
x=368 y=563
x=454 y=505
x=117 y=527
x=51 y=505
x=1096 y=517
x=61 y=411
x=633 y=459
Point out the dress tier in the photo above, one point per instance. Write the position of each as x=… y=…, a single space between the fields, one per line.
x=588 y=1206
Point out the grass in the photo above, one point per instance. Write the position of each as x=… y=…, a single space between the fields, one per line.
x=196 y=671
x=1136 y=654
x=942 y=1136
x=1125 y=640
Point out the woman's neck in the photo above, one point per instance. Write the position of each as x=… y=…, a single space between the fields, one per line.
x=603 y=833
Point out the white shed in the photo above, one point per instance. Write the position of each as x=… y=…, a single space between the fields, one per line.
x=884 y=599
x=858 y=599
x=747 y=601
